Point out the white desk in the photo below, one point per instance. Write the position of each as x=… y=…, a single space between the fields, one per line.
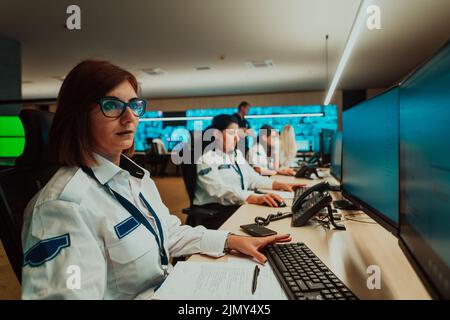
x=347 y=253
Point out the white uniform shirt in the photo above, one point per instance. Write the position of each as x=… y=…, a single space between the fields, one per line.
x=257 y=157
x=219 y=180
x=74 y=223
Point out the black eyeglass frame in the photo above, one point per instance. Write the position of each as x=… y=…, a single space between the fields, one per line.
x=124 y=105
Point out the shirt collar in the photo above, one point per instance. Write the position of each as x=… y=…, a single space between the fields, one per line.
x=106 y=170
x=230 y=155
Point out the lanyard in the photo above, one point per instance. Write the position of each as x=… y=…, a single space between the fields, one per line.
x=137 y=214
x=239 y=172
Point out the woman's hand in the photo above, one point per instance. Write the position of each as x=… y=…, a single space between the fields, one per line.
x=286 y=172
x=268 y=172
x=286 y=186
x=251 y=245
x=268 y=199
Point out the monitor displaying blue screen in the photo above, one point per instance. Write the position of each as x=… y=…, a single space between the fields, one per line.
x=336 y=155
x=307 y=129
x=303 y=145
x=425 y=171
x=370 y=155
x=151 y=127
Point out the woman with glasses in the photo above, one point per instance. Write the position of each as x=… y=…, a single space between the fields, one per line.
x=98 y=229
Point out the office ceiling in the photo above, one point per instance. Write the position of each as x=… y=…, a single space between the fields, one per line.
x=179 y=36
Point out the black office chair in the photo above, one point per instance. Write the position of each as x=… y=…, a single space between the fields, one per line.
x=19 y=184
x=155 y=159
x=213 y=215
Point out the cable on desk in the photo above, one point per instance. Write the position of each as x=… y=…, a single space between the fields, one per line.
x=361 y=221
x=272 y=217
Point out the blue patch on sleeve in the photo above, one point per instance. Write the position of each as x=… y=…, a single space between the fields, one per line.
x=204 y=171
x=126 y=226
x=45 y=250
x=224 y=166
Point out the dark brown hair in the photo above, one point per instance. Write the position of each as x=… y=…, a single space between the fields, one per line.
x=70 y=134
x=243 y=104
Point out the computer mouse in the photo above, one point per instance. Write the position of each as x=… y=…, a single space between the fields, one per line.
x=281 y=204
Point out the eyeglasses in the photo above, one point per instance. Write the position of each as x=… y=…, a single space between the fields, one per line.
x=113 y=107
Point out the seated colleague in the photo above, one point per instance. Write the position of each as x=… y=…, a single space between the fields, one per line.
x=264 y=155
x=98 y=229
x=224 y=176
x=160 y=145
x=288 y=147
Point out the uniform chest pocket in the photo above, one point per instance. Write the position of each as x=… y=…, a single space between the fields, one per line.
x=135 y=262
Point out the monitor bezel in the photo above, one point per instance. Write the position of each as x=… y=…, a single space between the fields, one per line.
x=375 y=214
x=408 y=236
x=339 y=179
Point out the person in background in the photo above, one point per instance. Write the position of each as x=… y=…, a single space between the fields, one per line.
x=160 y=145
x=288 y=146
x=100 y=218
x=264 y=155
x=245 y=131
x=224 y=177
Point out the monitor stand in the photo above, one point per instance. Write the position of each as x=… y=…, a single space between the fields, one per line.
x=344 y=205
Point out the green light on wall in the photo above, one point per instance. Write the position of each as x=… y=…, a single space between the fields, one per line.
x=12 y=140
x=11 y=147
x=11 y=126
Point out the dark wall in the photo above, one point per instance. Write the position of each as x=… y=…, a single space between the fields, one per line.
x=351 y=98
x=10 y=75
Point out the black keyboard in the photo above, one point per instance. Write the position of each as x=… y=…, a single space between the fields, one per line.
x=303 y=276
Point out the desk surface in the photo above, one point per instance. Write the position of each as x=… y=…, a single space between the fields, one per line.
x=347 y=253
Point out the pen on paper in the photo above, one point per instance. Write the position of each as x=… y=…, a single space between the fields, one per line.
x=255 y=279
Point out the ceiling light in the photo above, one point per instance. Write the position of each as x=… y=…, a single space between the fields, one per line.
x=154 y=71
x=203 y=68
x=351 y=40
x=259 y=64
x=254 y=116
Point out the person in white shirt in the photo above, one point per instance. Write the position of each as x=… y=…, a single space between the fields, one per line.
x=160 y=145
x=288 y=146
x=98 y=229
x=264 y=155
x=225 y=177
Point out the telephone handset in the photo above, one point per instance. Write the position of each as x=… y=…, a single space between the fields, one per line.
x=310 y=202
x=314 y=159
x=320 y=187
x=306 y=172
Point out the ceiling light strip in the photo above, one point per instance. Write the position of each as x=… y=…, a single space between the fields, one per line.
x=254 y=116
x=351 y=40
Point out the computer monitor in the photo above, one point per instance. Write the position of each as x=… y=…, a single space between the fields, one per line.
x=303 y=145
x=326 y=136
x=370 y=157
x=336 y=156
x=425 y=172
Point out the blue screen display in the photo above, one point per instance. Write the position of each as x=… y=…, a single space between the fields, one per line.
x=307 y=129
x=425 y=166
x=170 y=135
x=370 y=153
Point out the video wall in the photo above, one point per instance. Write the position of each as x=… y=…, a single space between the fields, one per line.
x=307 y=128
